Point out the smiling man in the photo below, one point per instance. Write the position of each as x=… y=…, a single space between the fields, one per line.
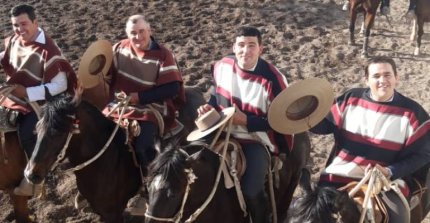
x=378 y=127
x=34 y=64
x=147 y=71
x=250 y=83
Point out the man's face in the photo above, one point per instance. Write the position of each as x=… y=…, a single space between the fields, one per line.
x=139 y=34
x=381 y=81
x=24 y=27
x=247 y=51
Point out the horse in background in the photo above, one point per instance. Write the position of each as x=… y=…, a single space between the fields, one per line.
x=369 y=9
x=422 y=14
x=168 y=185
x=106 y=174
x=322 y=204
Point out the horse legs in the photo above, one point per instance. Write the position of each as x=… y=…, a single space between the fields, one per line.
x=353 y=17
x=414 y=29
x=420 y=34
x=369 y=19
x=20 y=208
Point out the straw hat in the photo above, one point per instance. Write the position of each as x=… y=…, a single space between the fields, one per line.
x=301 y=106
x=96 y=61
x=209 y=122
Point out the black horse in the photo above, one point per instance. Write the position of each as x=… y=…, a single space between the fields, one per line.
x=168 y=185
x=322 y=204
x=179 y=184
x=110 y=180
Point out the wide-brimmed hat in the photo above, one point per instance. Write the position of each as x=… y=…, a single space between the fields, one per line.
x=301 y=106
x=95 y=63
x=209 y=122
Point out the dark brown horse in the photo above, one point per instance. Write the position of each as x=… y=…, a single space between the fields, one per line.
x=165 y=199
x=422 y=12
x=110 y=180
x=12 y=161
x=368 y=8
x=328 y=205
x=12 y=164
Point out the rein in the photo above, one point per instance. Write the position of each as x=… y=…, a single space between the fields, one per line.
x=60 y=156
x=5 y=91
x=190 y=180
x=375 y=178
x=178 y=216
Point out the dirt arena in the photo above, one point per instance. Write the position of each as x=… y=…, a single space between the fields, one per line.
x=303 y=38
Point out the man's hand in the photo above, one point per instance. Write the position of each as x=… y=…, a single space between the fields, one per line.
x=239 y=118
x=204 y=108
x=19 y=91
x=380 y=168
x=134 y=98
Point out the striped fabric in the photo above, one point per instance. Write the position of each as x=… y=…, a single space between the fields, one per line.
x=141 y=71
x=33 y=64
x=252 y=92
x=392 y=134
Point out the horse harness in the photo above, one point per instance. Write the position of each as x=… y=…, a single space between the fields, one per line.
x=190 y=179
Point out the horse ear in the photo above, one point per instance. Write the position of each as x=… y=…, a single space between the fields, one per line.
x=305 y=180
x=48 y=95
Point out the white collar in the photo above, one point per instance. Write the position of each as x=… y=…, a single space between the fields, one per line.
x=40 y=36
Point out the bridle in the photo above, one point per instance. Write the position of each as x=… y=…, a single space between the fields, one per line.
x=75 y=130
x=177 y=217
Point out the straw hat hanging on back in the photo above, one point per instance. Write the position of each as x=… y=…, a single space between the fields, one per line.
x=93 y=67
x=301 y=106
x=95 y=63
x=209 y=122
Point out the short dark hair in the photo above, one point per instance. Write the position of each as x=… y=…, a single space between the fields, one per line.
x=23 y=9
x=380 y=59
x=249 y=31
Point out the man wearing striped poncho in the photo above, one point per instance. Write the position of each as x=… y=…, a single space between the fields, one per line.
x=377 y=126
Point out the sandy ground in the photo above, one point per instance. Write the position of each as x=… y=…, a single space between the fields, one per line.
x=304 y=38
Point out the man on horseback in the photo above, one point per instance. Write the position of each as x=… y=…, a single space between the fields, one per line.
x=249 y=83
x=378 y=127
x=147 y=72
x=34 y=65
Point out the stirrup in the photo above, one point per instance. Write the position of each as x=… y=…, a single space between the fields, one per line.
x=26 y=188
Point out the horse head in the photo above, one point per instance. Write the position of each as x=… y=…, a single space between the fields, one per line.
x=168 y=179
x=322 y=204
x=185 y=188
x=53 y=130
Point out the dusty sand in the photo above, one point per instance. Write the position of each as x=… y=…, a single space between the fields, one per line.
x=304 y=38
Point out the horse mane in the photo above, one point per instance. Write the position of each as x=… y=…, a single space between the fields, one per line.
x=57 y=114
x=170 y=166
x=318 y=204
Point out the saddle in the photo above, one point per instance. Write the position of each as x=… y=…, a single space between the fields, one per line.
x=380 y=213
